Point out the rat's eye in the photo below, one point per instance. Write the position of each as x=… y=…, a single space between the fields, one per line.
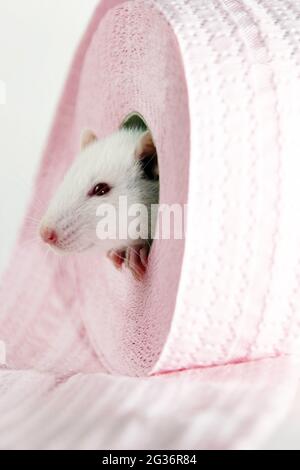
x=99 y=190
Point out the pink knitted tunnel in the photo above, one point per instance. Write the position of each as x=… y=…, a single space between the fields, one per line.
x=218 y=84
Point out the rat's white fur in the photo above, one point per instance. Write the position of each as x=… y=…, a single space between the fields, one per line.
x=72 y=213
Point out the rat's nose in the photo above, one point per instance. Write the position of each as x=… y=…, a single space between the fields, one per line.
x=49 y=235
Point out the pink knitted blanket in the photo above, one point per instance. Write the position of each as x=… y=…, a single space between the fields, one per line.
x=211 y=336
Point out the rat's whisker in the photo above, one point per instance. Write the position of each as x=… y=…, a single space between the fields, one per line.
x=135 y=270
x=46 y=254
x=136 y=252
x=30 y=240
x=33 y=220
x=38 y=207
x=119 y=256
x=31 y=236
x=32 y=229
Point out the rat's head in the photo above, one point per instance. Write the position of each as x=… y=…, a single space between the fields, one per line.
x=123 y=164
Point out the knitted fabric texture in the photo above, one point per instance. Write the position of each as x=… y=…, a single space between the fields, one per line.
x=218 y=84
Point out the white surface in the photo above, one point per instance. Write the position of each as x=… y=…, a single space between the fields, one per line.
x=37 y=41
x=287 y=437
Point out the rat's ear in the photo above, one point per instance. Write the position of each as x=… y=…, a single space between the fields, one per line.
x=87 y=138
x=145 y=152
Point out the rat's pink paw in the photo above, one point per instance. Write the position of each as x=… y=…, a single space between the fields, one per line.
x=137 y=260
x=117 y=257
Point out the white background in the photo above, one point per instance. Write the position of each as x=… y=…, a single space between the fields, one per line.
x=37 y=41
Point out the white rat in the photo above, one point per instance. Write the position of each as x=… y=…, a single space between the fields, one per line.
x=122 y=164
